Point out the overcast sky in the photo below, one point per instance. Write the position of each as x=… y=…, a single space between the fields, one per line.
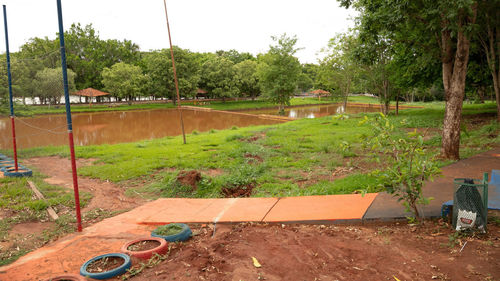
x=198 y=25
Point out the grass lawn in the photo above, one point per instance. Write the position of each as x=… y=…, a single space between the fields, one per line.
x=303 y=157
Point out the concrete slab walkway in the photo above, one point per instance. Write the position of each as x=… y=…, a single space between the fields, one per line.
x=68 y=254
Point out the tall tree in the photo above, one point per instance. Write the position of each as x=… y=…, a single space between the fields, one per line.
x=246 y=76
x=158 y=66
x=218 y=76
x=339 y=69
x=279 y=71
x=48 y=85
x=88 y=55
x=489 y=37
x=235 y=56
x=442 y=29
x=124 y=80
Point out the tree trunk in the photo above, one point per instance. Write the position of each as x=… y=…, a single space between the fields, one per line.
x=397 y=103
x=346 y=93
x=481 y=91
x=454 y=73
x=491 y=47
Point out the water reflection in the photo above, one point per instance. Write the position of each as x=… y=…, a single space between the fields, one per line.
x=316 y=110
x=117 y=127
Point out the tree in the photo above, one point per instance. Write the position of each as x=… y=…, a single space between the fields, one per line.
x=489 y=37
x=441 y=29
x=49 y=85
x=279 y=71
x=235 y=56
x=339 y=69
x=218 y=76
x=88 y=55
x=409 y=164
x=246 y=76
x=158 y=67
x=123 y=80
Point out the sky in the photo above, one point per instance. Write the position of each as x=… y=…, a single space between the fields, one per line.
x=198 y=25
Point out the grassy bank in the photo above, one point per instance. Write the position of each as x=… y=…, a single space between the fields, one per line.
x=303 y=157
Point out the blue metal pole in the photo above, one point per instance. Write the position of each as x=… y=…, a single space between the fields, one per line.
x=14 y=146
x=68 y=115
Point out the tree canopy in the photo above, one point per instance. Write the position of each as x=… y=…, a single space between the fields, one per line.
x=279 y=71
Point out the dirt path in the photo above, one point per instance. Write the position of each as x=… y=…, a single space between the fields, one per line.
x=106 y=195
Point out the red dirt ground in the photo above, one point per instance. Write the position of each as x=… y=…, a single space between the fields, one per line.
x=319 y=252
x=106 y=195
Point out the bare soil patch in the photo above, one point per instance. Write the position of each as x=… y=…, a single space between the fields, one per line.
x=30 y=228
x=189 y=178
x=213 y=172
x=106 y=195
x=239 y=191
x=319 y=252
x=253 y=158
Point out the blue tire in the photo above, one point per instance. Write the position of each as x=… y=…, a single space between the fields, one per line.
x=184 y=235
x=6 y=162
x=21 y=172
x=10 y=166
x=108 y=274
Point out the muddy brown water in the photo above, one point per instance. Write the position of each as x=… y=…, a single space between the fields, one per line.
x=127 y=126
x=118 y=127
x=316 y=111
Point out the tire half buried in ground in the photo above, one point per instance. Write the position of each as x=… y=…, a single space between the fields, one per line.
x=135 y=248
x=182 y=235
x=112 y=272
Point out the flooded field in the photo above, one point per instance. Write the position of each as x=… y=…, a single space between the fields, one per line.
x=118 y=127
x=316 y=111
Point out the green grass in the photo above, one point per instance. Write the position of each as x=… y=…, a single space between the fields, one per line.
x=16 y=195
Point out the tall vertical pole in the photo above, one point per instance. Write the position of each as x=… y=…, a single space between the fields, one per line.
x=68 y=116
x=175 y=74
x=14 y=146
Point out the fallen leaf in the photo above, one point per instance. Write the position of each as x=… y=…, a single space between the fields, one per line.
x=256 y=262
x=396 y=278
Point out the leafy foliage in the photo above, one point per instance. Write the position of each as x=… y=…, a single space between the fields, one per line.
x=123 y=80
x=409 y=163
x=48 y=84
x=217 y=77
x=279 y=71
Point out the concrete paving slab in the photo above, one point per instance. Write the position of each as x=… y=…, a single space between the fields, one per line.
x=248 y=209
x=167 y=210
x=320 y=208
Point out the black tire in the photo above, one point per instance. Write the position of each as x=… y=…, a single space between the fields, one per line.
x=184 y=235
x=107 y=274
